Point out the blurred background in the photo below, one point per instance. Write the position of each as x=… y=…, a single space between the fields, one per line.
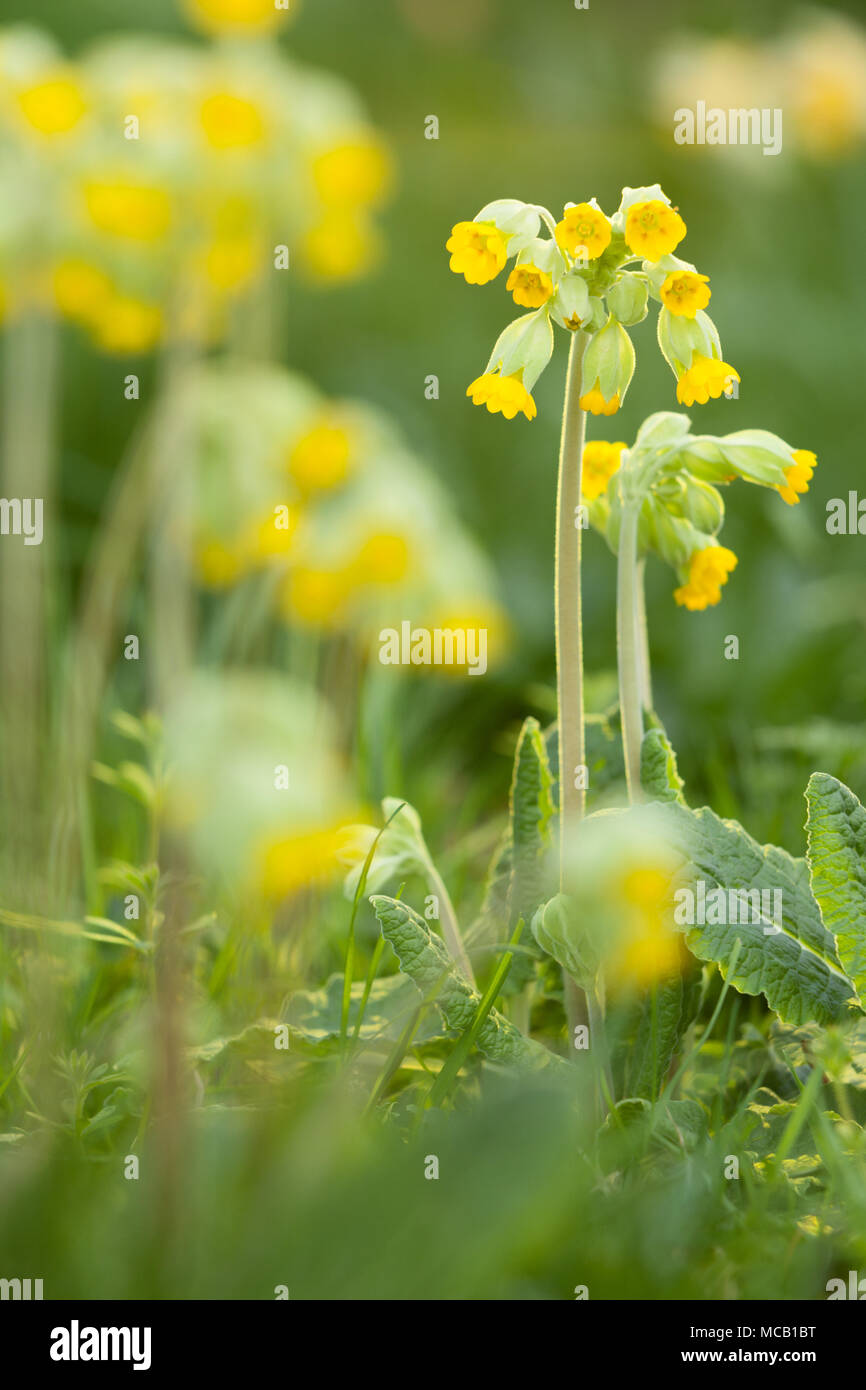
x=169 y=387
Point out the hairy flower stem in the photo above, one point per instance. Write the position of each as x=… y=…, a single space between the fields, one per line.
x=569 y=633
x=629 y=647
x=569 y=639
x=643 y=651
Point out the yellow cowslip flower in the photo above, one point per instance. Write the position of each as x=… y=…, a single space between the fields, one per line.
x=265 y=541
x=238 y=16
x=653 y=229
x=53 y=106
x=586 y=227
x=472 y=618
x=341 y=246
x=127 y=324
x=707 y=376
x=649 y=948
x=321 y=459
x=317 y=597
x=137 y=211
x=708 y=571
x=357 y=173
x=383 y=559
x=478 y=251
x=600 y=461
x=81 y=290
x=505 y=393
x=684 y=292
x=301 y=860
x=231 y=263
x=230 y=122
x=529 y=286
x=594 y=402
x=799 y=476
x=218 y=565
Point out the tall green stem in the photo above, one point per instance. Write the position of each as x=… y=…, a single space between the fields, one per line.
x=643 y=651
x=627 y=648
x=569 y=633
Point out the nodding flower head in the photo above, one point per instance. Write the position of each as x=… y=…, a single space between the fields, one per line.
x=708 y=570
x=478 y=251
x=706 y=377
x=798 y=476
x=505 y=393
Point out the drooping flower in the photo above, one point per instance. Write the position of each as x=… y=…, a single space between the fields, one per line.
x=126 y=323
x=600 y=461
x=317 y=597
x=584 y=227
x=594 y=402
x=648 y=948
x=297 y=861
x=529 y=286
x=653 y=229
x=505 y=393
x=708 y=571
x=798 y=476
x=478 y=251
x=706 y=377
x=684 y=292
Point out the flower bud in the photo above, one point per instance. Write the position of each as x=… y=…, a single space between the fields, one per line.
x=680 y=338
x=607 y=369
x=570 y=306
x=518 y=221
x=524 y=346
x=627 y=299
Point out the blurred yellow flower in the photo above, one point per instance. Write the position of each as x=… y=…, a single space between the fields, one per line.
x=231 y=122
x=126 y=324
x=340 y=246
x=708 y=571
x=316 y=597
x=239 y=16
x=231 y=263
x=529 y=286
x=649 y=949
x=594 y=402
x=218 y=566
x=138 y=211
x=684 y=292
x=706 y=377
x=53 y=106
x=584 y=226
x=478 y=251
x=799 y=476
x=81 y=289
x=273 y=538
x=653 y=229
x=355 y=173
x=382 y=559
x=301 y=860
x=600 y=461
x=321 y=459
x=505 y=393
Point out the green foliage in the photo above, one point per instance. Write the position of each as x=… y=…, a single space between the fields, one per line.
x=837 y=860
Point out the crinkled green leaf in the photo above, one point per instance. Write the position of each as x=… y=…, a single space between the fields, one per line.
x=315 y=1014
x=425 y=960
x=658 y=768
x=837 y=859
x=796 y=968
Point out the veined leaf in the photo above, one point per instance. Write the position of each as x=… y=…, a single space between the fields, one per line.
x=837 y=859
x=658 y=768
x=425 y=960
x=531 y=809
x=794 y=963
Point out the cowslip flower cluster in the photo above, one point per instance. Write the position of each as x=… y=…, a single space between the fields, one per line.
x=595 y=273
x=157 y=183
x=673 y=477
x=322 y=503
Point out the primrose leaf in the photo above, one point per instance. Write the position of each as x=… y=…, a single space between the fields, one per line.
x=424 y=958
x=837 y=859
x=316 y=1014
x=651 y=1036
x=658 y=768
x=794 y=962
x=531 y=811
